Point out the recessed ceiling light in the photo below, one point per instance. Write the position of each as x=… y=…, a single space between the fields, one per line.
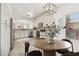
x=29 y=14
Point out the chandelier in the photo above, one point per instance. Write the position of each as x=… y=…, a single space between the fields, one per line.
x=50 y=8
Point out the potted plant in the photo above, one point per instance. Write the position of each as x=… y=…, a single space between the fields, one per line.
x=52 y=31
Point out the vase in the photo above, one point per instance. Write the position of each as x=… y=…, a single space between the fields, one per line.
x=50 y=40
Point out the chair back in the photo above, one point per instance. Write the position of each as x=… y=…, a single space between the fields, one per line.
x=69 y=42
x=71 y=54
x=38 y=34
x=26 y=47
x=34 y=53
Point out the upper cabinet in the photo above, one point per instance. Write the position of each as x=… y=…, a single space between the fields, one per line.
x=23 y=24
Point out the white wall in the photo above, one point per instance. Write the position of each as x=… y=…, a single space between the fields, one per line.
x=0 y=28
x=5 y=29
x=67 y=9
x=62 y=11
x=45 y=19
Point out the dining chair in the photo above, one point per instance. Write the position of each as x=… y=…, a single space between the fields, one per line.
x=63 y=51
x=71 y=54
x=38 y=34
x=26 y=47
x=32 y=53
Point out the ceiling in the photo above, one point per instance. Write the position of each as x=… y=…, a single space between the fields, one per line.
x=29 y=10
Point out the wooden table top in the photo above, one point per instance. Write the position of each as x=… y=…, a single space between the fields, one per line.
x=43 y=44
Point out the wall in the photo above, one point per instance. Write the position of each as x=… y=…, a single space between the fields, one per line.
x=62 y=11
x=0 y=28
x=67 y=9
x=45 y=19
x=5 y=29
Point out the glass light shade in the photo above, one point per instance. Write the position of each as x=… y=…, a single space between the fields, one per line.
x=50 y=8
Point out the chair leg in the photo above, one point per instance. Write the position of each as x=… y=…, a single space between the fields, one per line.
x=41 y=51
x=26 y=53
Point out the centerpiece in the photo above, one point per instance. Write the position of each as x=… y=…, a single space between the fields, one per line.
x=52 y=31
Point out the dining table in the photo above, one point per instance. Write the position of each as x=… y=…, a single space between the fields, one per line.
x=49 y=49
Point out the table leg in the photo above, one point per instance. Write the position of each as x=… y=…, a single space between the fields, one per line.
x=49 y=52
